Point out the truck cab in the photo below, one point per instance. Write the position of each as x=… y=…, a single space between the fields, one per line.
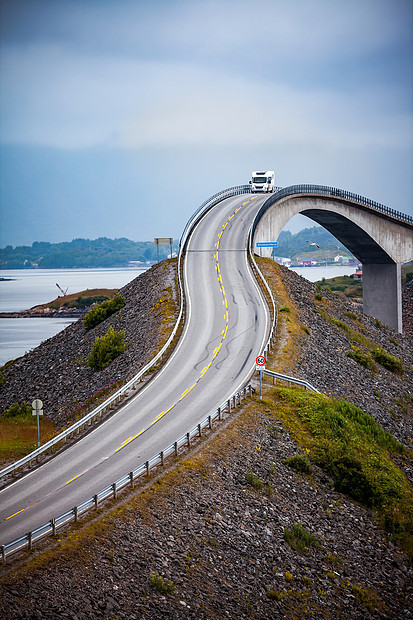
x=262 y=181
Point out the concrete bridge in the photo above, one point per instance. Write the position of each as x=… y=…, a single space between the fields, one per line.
x=381 y=238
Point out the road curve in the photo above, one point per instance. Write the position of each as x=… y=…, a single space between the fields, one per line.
x=226 y=326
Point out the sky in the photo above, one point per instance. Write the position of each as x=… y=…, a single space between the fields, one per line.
x=118 y=118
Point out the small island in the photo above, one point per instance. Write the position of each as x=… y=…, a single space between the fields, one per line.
x=73 y=305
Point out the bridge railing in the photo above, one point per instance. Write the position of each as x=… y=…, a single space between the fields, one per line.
x=331 y=192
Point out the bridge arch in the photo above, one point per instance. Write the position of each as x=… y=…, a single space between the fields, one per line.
x=381 y=238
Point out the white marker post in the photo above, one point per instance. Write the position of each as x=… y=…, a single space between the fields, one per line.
x=260 y=361
x=37 y=411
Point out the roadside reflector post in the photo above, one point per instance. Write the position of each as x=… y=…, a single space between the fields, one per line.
x=37 y=410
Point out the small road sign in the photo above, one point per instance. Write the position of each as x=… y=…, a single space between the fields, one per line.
x=260 y=360
x=37 y=405
x=267 y=244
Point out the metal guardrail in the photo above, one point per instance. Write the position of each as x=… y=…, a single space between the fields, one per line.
x=277 y=375
x=111 y=491
x=267 y=346
x=132 y=383
x=331 y=192
x=51 y=526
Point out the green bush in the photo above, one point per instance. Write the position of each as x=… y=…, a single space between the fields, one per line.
x=388 y=361
x=18 y=411
x=164 y=586
x=106 y=348
x=254 y=481
x=299 y=538
x=299 y=462
x=364 y=359
x=101 y=312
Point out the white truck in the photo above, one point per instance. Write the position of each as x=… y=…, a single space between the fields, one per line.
x=262 y=181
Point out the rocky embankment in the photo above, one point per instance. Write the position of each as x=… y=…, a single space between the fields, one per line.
x=56 y=371
x=201 y=543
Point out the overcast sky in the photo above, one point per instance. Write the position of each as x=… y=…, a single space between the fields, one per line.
x=120 y=117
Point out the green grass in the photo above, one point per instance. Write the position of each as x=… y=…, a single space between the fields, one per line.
x=355 y=451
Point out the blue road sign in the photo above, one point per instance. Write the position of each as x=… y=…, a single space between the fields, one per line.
x=267 y=244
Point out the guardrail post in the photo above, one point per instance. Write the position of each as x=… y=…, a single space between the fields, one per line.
x=131 y=479
x=3 y=555
x=229 y=405
x=162 y=458
x=76 y=514
x=95 y=499
x=53 y=522
x=219 y=413
x=115 y=491
x=176 y=448
x=210 y=421
x=199 y=430
x=147 y=468
x=30 y=540
x=188 y=439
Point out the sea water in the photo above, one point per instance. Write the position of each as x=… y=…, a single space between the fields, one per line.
x=26 y=288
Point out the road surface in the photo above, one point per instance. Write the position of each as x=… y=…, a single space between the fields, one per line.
x=226 y=327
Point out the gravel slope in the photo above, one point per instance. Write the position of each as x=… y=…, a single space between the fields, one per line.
x=220 y=541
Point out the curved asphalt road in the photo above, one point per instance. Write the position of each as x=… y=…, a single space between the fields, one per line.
x=226 y=328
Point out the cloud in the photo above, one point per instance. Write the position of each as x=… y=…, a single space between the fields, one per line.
x=52 y=97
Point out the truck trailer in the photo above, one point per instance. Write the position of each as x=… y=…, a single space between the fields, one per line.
x=262 y=181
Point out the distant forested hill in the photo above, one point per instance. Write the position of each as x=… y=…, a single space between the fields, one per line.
x=290 y=245
x=102 y=252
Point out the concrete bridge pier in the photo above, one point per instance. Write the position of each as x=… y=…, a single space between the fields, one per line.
x=382 y=293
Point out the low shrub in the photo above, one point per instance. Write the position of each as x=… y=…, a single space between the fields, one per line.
x=388 y=361
x=164 y=586
x=23 y=410
x=364 y=359
x=102 y=311
x=254 y=480
x=299 y=538
x=299 y=462
x=106 y=348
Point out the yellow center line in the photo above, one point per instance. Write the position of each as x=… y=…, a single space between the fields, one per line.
x=16 y=513
x=216 y=350
x=78 y=476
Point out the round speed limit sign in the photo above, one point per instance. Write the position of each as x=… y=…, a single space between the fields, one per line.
x=260 y=360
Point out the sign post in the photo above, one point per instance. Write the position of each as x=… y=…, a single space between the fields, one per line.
x=267 y=244
x=260 y=361
x=162 y=241
x=37 y=406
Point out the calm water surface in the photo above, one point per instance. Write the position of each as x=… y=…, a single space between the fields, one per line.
x=31 y=287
